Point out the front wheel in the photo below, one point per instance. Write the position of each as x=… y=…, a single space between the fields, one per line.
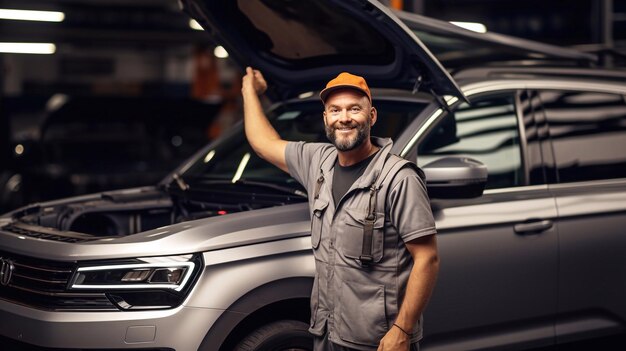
x=285 y=335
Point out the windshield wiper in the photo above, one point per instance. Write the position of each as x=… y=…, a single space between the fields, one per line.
x=273 y=186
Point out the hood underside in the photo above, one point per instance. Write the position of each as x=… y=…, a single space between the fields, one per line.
x=300 y=45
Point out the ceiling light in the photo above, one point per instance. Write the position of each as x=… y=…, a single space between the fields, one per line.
x=19 y=149
x=195 y=25
x=28 y=48
x=28 y=15
x=220 y=52
x=473 y=26
x=209 y=156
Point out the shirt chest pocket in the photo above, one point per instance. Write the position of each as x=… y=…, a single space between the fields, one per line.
x=350 y=239
x=317 y=221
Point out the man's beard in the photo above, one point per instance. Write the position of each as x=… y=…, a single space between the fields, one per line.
x=351 y=143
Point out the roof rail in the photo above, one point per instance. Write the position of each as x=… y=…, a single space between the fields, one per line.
x=608 y=56
x=504 y=72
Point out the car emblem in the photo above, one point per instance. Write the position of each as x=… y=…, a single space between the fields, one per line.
x=6 y=271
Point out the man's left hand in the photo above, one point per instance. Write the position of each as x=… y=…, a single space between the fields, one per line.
x=394 y=340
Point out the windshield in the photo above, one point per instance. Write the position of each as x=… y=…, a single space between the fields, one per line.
x=233 y=159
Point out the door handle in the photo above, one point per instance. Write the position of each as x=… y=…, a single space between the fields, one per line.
x=533 y=227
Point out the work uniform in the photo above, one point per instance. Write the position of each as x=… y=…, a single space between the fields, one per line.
x=354 y=302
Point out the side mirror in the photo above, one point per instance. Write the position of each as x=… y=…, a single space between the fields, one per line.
x=455 y=178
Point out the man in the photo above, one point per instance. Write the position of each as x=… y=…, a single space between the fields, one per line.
x=372 y=229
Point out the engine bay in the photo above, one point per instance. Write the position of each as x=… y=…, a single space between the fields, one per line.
x=123 y=213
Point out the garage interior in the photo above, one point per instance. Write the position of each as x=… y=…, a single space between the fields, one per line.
x=143 y=80
x=99 y=95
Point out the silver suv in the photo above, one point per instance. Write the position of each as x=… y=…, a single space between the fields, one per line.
x=527 y=181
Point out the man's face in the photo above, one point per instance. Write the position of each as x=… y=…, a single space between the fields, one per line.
x=348 y=117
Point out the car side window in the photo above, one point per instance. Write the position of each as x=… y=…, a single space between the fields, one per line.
x=485 y=130
x=588 y=133
x=233 y=158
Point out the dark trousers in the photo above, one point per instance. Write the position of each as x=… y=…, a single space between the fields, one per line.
x=321 y=343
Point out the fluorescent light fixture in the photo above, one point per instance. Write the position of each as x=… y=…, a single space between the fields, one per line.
x=242 y=166
x=28 y=15
x=473 y=26
x=28 y=48
x=220 y=52
x=195 y=25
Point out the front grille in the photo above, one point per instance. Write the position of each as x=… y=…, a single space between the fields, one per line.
x=46 y=234
x=42 y=284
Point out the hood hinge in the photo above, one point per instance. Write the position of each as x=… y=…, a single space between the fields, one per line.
x=442 y=103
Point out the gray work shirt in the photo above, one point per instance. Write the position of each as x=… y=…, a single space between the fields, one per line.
x=358 y=304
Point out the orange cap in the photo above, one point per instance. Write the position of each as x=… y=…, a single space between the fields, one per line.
x=346 y=80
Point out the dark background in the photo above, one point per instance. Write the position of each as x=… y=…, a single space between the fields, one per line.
x=132 y=89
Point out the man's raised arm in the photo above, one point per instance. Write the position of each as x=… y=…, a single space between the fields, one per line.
x=261 y=135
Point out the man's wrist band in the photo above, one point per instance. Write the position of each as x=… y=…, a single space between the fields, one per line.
x=404 y=331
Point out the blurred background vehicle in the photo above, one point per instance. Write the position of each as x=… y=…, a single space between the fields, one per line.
x=87 y=144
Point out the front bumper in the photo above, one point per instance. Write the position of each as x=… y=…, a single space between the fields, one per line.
x=180 y=329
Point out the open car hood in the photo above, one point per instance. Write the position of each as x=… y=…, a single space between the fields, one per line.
x=300 y=45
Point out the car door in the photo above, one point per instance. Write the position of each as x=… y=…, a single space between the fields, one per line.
x=588 y=135
x=498 y=270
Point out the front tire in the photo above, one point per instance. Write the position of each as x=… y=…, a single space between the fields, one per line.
x=285 y=335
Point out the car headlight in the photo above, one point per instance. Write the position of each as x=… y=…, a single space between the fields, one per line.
x=134 y=276
x=141 y=283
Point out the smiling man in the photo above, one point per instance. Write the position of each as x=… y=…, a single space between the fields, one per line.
x=372 y=229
